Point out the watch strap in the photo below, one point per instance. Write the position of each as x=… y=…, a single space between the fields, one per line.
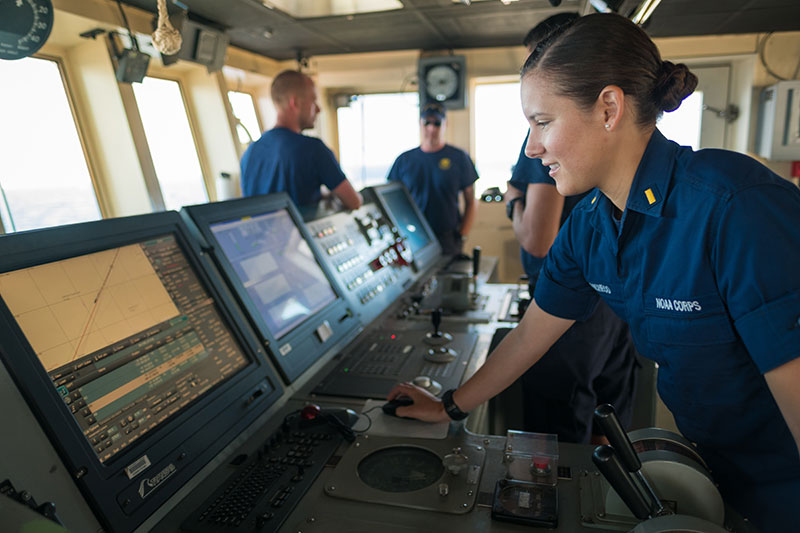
x=450 y=407
x=510 y=206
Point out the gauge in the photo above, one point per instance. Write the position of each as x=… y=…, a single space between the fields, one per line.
x=400 y=469
x=441 y=82
x=24 y=27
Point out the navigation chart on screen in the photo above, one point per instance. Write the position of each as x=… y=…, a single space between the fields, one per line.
x=68 y=309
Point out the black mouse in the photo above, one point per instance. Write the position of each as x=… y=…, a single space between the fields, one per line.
x=390 y=407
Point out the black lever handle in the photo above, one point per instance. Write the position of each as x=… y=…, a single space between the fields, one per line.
x=436 y=318
x=476 y=261
x=607 y=418
x=609 y=464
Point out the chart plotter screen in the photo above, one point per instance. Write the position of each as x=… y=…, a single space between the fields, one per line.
x=129 y=337
x=276 y=267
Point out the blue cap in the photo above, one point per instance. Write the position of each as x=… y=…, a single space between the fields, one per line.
x=433 y=109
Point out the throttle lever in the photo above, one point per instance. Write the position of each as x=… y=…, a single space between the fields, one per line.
x=606 y=417
x=609 y=464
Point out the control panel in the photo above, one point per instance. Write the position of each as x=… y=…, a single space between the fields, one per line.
x=368 y=257
x=434 y=360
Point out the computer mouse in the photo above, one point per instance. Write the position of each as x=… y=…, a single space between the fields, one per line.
x=390 y=407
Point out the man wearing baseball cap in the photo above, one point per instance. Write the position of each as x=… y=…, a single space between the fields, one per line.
x=435 y=173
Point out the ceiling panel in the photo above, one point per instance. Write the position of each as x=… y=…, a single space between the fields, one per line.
x=443 y=24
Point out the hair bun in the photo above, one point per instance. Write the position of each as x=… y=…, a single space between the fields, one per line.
x=673 y=84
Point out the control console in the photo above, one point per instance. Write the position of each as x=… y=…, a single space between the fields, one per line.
x=368 y=257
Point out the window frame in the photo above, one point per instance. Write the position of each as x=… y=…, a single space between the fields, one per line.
x=473 y=89
x=332 y=94
x=80 y=130
x=255 y=108
x=208 y=182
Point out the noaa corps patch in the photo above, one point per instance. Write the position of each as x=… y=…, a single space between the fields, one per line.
x=445 y=163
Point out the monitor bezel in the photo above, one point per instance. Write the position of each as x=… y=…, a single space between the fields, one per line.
x=203 y=216
x=188 y=441
x=430 y=254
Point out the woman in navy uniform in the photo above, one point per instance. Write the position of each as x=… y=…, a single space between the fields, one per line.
x=697 y=251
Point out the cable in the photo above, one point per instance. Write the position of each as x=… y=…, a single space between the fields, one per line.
x=369 y=420
x=128 y=27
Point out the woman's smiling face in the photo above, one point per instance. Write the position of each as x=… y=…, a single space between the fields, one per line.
x=568 y=140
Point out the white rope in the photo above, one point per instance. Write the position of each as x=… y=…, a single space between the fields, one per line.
x=166 y=38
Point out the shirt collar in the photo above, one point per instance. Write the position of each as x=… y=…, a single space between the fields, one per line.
x=652 y=178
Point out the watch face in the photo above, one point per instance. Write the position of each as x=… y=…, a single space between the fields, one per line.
x=441 y=82
x=24 y=27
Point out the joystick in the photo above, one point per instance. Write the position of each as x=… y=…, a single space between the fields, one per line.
x=476 y=262
x=437 y=337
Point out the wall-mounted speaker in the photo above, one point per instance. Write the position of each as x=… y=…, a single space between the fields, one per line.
x=443 y=79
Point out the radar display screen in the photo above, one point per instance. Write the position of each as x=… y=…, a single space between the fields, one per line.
x=129 y=337
x=276 y=267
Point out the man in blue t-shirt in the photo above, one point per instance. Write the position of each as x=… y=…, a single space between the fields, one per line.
x=435 y=173
x=284 y=160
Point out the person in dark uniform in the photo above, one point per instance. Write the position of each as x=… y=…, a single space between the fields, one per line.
x=594 y=362
x=435 y=174
x=285 y=160
x=697 y=251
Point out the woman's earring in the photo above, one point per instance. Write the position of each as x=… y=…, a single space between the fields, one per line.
x=608 y=126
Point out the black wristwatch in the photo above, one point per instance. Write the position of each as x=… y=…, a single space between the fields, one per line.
x=450 y=407
x=510 y=206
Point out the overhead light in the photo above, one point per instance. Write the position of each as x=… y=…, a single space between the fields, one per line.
x=644 y=11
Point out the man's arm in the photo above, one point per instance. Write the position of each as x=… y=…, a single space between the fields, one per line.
x=782 y=382
x=536 y=224
x=349 y=197
x=469 y=210
x=520 y=349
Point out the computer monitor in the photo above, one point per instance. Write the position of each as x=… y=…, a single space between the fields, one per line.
x=130 y=355
x=396 y=201
x=260 y=245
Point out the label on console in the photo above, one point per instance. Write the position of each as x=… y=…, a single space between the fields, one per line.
x=137 y=467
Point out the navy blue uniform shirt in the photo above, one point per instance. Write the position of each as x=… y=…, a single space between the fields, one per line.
x=527 y=171
x=434 y=180
x=704 y=268
x=282 y=160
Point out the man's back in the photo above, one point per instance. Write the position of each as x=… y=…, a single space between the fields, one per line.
x=282 y=160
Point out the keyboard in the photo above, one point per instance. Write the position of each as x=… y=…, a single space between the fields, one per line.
x=267 y=486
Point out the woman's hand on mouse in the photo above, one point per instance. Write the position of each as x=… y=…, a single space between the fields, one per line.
x=426 y=406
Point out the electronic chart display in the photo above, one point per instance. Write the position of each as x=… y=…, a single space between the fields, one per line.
x=262 y=249
x=126 y=353
x=276 y=267
x=128 y=337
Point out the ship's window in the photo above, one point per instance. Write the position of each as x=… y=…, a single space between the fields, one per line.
x=44 y=175
x=247 y=124
x=172 y=146
x=500 y=128
x=373 y=130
